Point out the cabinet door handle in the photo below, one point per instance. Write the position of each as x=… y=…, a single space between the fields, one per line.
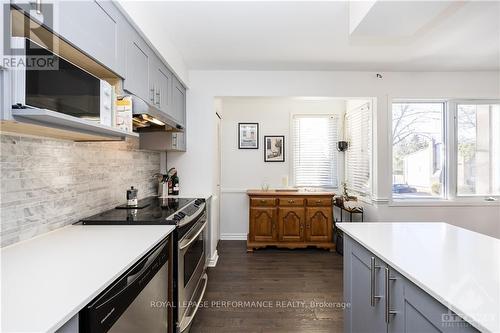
x=152 y=97
x=388 y=310
x=318 y=201
x=373 y=281
x=262 y=201
x=291 y=201
x=158 y=95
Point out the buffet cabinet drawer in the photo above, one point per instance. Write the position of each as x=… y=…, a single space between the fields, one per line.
x=262 y=202
x=319 y=202
x=291 y=202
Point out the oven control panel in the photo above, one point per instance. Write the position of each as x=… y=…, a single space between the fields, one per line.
x=189 y=212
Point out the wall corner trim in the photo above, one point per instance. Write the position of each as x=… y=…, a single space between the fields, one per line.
x=212 y=262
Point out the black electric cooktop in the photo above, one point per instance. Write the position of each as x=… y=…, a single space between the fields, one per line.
x=153 y=210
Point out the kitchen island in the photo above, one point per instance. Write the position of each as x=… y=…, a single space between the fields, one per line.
x=420 y=277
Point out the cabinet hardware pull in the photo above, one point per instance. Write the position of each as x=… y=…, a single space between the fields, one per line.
x=158 y=95
x=152 y=97
x=291 y=201
x=373 y=281
x=318 y=201
x=388 y=310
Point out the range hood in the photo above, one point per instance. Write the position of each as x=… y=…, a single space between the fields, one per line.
x=147 y=118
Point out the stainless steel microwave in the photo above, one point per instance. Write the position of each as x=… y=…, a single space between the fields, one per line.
x=45 y=80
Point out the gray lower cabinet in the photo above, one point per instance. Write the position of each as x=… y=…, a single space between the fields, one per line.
x=363 y=291
x=382 y=300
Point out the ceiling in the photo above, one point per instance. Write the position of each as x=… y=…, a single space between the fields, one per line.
x=287 y=35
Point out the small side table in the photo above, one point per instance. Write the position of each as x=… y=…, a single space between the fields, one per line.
x=338 y=235
x=357 y=210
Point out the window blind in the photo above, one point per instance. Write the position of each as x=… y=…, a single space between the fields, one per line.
x=314 y=150
x=358 y=132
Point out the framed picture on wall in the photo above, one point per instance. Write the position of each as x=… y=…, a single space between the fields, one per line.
x=274 y=148
x=248 y=136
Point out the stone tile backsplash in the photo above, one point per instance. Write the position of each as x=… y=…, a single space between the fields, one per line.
x=47 y=184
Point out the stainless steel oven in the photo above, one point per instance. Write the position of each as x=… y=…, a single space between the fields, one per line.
x=191 y=278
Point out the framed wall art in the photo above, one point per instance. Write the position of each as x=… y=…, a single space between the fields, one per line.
x=274 y=148
x=248 y=136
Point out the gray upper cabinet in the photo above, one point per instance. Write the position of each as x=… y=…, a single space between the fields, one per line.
x=179 y=102
x=160 y=86
x=100 y=30
x=383 y=300
x=137 y=62
x=95 y=28
x=166 y=92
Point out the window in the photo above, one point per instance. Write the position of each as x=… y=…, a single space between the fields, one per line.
x=358 y=132
x=314 y=152
x=418 y=149
x=478 y=149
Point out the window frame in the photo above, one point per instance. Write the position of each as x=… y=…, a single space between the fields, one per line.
x=445 y=137
x=340 y=159
x=450 y=195
x=454 y=152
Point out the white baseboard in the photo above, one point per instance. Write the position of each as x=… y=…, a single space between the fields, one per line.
x=233 y=236
x=213 y=261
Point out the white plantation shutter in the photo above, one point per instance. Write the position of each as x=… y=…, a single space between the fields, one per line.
x=358 y=157
x=314 y=153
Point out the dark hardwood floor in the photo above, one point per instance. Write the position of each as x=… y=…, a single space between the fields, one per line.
x=278 y=287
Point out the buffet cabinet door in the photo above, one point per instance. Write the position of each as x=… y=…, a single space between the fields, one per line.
x=319 y=224
x=291 y=224
x=263 y=224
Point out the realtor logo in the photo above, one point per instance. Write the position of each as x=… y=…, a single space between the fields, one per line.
x=478 y=301
x=25 y=49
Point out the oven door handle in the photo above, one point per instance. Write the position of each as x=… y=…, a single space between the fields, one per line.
x=186 y=321
x=186 y=242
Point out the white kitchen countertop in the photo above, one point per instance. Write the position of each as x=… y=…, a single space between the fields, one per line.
x=48 y=279
x=458 y=267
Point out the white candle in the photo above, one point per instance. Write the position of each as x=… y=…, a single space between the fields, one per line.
x=284 y=181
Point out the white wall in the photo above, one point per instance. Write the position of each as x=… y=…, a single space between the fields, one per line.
x=245 y=168
x=196 y=166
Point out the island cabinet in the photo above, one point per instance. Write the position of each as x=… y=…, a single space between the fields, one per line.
x=380 y=299
x=290 y=219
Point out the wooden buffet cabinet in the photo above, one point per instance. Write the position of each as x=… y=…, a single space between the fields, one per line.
x=290 y=219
